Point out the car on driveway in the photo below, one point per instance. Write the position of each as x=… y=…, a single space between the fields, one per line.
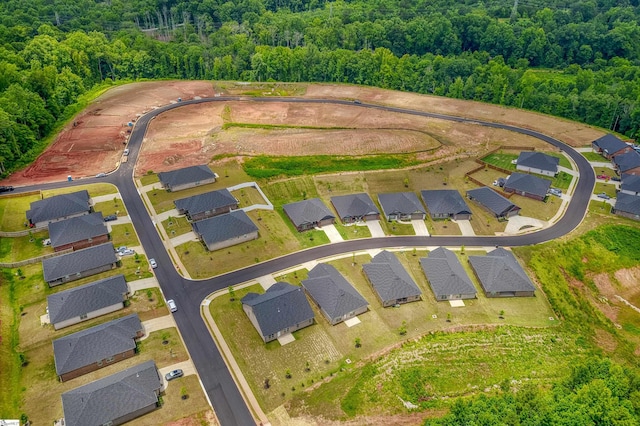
x=110 y=217
x=616 y=179
x=555 y=191
x=603 y=177
x=126 y=252
x=604 y=196
x=172 y=305
x=173 y=374
x=153 y=263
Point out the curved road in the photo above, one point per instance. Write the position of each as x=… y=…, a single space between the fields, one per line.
x=216 y=378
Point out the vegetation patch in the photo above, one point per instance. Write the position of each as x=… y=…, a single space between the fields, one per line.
x=176 y=225
x=115 y=206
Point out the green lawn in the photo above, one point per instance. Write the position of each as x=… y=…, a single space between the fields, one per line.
x=175 y=226
x=397 y=228
x=94 y=189
x=149 y=178
x=501 y=160
x=22 y=248
x=13 y=212
x=115 y=206
x=352 y=232
x=609 y=189
x=123 y=235
x=593 y=156
x=562 y=181
x=248 y=197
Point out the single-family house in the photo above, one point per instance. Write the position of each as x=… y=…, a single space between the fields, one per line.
x=336 y=298
x=446 y=276
x=187 y=177
x=390 y=281
x=446 y=204
x=58 y=207
x=88 y=301
x=78 y=232
x=527 y=185
x=627 y=205
x=282 y=309
x=500 y=274
x=81 y=263
x=207 y=205
x=355 y=207
x=627 y=163
x=609 y=146
x=225 y=230
x=115 y=399
x=538 y=163
x=630 y=184
x=401 y=206
x=96 y=347
x=493 y=202
x=309 y=214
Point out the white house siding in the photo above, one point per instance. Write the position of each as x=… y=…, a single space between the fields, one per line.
x=191 y=185
x=233 y=241
x=90 y=315
x=536 y=171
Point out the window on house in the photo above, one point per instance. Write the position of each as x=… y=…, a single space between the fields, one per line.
x=83 y=316
x=110 y=359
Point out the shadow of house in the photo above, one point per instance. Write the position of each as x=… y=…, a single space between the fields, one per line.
x=57 y=208
x=91 y=349
x=309 y=214
x=538 y=163
x=115 y=399
x=527 y=185
x=500 y=275
x=207 y=205
x=225 y=230
x=446 y=276
x=609 y=146
x=391 y=282
x=78 y=232
x=355 y=208
x=401 y=206
x=446 y=204
x=89 y=301
x=282 y=309
x=493 y=202
x=188 y=177
x=627 y=206
x=79 y=264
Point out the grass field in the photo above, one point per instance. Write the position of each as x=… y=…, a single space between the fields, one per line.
x=397 y=228
x=352 y=232
x=608 y=189
x=123 y=235
x=175 y=226
x=248 y=197
x=502 y=160
x=13 y=210
x=94 y=189
x=22 y=248
x=115 y=206
x=594 y=156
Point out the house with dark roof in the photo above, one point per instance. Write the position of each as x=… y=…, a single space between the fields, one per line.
x=58 y=207
x=207 y=205
x=78 y=232
x=309 y=214
x=225 y=230
x=187 y=177
x=446 y=276
x=355 y=208
x=500 y=274
x=281 y=310
x=609 y=146
x=627 y=205
x=527 y=185
x=115 y=399
x=89 y=301
x=627 y=163
x=401 y=206
x=538 y=163
x=390 y=281
x=493 y=202
x=81 y=263
x=630 y=184
x=446 y=204
x=336 y=298
x=96 y=347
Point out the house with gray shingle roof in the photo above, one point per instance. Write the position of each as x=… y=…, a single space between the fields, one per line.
x=493 y=202
x=337 y=299
x=96 y=347
x=58 y=207
x=91 y=300
x=538 y=162
x=391 y=282
x=78 y=232
x=187 y=177
x=81 y=263
x=609 y=146
x=630 y=184
x=627 y=205
x=627 y=163
x=500 y=274
x=355 y=207
x=401 y=206
x=206 y=205
x=309 y=214
x=446 y=204
x=225 y=230
x=115 y=399
x=281 y=310
x=527 y=185
x=446 y=276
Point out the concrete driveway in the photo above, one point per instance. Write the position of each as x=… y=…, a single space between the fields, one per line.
x=332 y=233
x=465 y=227
x=375 y=228
x=157 y=324
x=186 y=367
x=420 y=227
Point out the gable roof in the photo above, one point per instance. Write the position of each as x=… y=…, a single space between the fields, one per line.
x=446 y=274
x=307 y=211
x=77 y=228
x=224 y=227
x=538 y=160
x=64 y=265
x=628 y=203
x=281 y=306
x=332 y=292
x=206 y=202
x=90 y=297
x=112 y=397
x=493 y=201
x=499 y=271
x=630 y=183
x=59 y=206
x=186 y=175
x=389 y=278
x=354 y=205
x=400 y=203
x=522 y=182
x=610 y=144
x=445 y=201
x=627 y=161
x=96 y=343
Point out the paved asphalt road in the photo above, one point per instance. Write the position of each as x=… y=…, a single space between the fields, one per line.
x=216 y=378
